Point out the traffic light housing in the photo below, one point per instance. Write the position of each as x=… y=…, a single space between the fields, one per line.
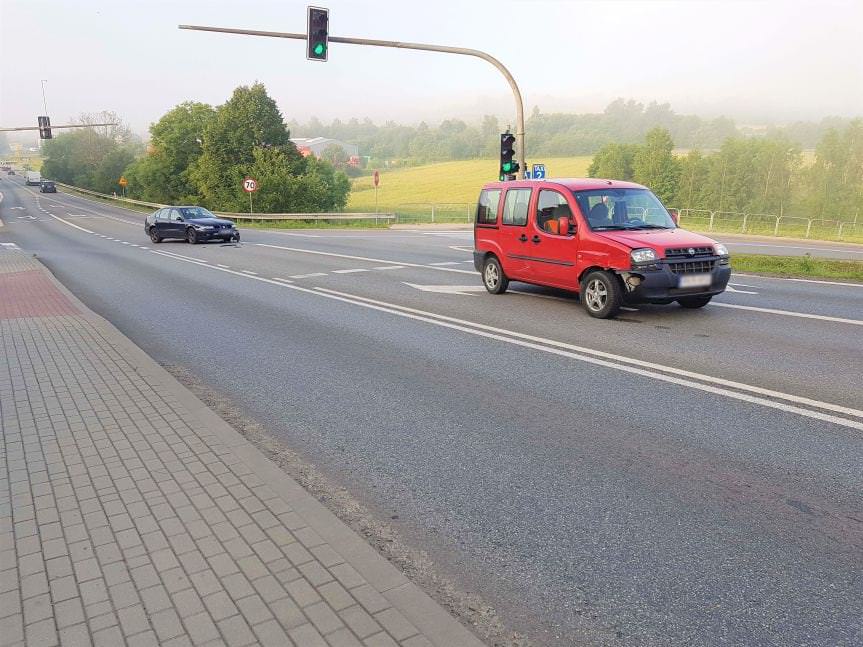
x=45 y=128
x=508 y=166
x=317 y=36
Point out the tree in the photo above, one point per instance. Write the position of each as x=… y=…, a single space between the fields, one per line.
x=654 y=165
x=249 y=120
x=176 y=140
x=613 y=161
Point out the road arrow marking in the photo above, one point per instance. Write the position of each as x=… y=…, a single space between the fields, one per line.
x=728 y=288
x=464 y=290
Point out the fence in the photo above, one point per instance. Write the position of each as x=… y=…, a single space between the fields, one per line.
x=435 y=212
x=766 y=224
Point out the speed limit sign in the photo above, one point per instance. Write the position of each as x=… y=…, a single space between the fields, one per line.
x=250 y=185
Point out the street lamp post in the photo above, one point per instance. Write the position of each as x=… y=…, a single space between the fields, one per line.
x=516 y=93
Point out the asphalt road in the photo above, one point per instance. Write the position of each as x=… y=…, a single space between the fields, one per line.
x=671 y=477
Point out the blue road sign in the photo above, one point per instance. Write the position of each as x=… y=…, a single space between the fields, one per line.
x=538 y=172
x=526 y=174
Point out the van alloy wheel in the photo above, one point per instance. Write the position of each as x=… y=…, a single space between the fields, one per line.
x=596 y=295
x=492 y=276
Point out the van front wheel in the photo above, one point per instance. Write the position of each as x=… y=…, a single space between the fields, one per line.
x=493 y=278
x=600 y=294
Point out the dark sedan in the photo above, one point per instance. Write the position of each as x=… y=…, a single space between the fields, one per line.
x=193 y=224
x=47 y=186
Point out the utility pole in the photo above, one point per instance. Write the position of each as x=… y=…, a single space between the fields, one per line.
x=516 y=93
x=44 y=102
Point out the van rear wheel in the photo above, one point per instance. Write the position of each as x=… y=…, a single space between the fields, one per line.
x=600 y=294
x=493 y=278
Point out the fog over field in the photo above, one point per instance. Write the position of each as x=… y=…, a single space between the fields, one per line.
x=758 y=62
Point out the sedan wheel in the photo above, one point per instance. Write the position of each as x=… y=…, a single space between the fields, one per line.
x=156 y=238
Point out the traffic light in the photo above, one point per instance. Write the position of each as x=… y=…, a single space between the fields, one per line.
x=317 y=37
x=45 y=128
x=508 y=166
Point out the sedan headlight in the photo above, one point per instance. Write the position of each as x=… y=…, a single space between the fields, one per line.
x=721 y=250
x=644 y=255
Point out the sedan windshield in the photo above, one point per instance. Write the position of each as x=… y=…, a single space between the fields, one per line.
x=191 y=213
x=608 y=209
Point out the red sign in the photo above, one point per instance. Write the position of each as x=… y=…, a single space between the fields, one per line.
x=250 y=185
x=377 y=179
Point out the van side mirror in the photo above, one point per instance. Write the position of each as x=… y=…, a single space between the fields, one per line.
x=566 y=226
x=675 y=215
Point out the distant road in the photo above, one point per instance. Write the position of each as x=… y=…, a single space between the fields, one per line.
x=670 y=477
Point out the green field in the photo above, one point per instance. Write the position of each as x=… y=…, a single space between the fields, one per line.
x=444 y=183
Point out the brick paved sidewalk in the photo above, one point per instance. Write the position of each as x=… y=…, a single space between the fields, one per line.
x=130 y=514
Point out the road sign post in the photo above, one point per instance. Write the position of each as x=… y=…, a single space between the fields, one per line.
x=250 y=185
x=123 y=182
x=377 y=180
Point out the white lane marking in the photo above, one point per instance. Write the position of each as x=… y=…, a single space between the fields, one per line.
x=10 y=245
x=463 y=232
x=462 y=248
x=279 y=278
x=354 y=271
x=620 y=363
x=223 y=266
x=191 y=258
x=652 y=366
x=789 y=313
x=464 y=290
x=389 y=267
x=125 y=243
x=446 y=263
x=729 y=288
x=308 y=276
x=817 y=249
x=744 y=285
x=363 y=258
x=71 y=224
x=785 y=278
x=285 y=233
x=249 y=272
x=1 y=222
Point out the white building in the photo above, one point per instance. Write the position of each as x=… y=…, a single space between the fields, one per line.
x=317 y=145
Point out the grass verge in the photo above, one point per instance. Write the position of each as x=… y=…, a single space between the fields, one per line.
x=798 y=266
x=310 y=224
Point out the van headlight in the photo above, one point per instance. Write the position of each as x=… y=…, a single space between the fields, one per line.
x=643 y=255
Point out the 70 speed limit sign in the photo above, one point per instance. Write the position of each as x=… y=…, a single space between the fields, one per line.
x=250 y=185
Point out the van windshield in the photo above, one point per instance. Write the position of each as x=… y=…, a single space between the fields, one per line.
x=607 y=209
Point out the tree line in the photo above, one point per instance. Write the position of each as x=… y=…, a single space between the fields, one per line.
x=554 y=134
x=764 y=175
x=199 y=154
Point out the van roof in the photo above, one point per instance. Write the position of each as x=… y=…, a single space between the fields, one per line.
x=573 y=184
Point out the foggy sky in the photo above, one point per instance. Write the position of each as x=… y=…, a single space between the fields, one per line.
x=755 y=61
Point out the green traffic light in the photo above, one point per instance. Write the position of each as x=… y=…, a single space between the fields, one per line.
x=319 y=49
x=507 y=166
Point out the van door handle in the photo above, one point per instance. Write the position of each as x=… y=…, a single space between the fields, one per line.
x=536 y=239
x=523 y=238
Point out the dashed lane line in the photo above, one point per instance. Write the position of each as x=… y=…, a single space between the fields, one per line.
x=308 y=276
x=352 y=271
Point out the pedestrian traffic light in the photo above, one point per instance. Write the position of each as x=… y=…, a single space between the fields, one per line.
x=508 y=166
x=45 y=128
x=317 y=37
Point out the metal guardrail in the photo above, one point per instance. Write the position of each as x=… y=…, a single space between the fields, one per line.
x=377 y=217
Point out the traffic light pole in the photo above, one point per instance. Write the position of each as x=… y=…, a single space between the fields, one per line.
x=516 y=93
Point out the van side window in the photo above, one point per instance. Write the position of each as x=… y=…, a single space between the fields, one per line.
x=515 y=206
x=486 y=209
x=550 y=207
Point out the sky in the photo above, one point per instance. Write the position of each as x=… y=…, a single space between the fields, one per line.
x=757 y=61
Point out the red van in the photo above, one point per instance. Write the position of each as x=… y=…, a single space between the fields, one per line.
x=613 y=242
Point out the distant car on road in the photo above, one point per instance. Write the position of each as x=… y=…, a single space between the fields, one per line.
x=10 y=172
x=612 y=242
x=47 y=186
x=191 y=223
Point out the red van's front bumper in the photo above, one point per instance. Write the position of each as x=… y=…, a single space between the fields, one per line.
x=659 y=283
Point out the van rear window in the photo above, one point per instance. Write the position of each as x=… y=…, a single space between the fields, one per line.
x=486 y=209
